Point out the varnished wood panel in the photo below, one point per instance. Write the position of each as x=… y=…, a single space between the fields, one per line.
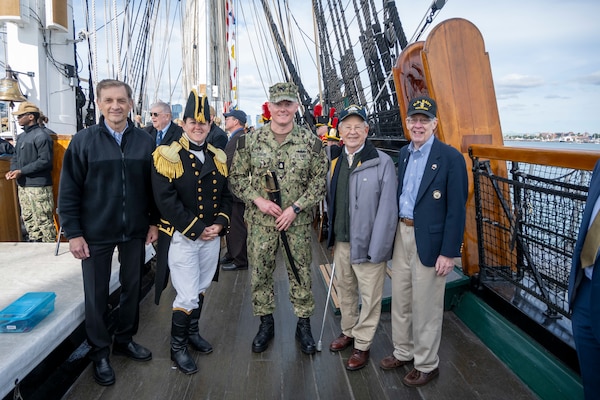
x=57 y=15
x=10 y=225
x=409 y=78
x=10 y=8
x=459 y=78
x=60 y=144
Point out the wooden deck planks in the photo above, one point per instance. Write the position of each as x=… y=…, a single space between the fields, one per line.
x=468 y=369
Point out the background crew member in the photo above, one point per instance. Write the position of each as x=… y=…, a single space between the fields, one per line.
x=190 y=188
x=237 y=251
x=432 y=189
x=105 y=201
x=363 y=213
x=297 y=157
x=31 y=166
x=162 y=130
x=217 y=136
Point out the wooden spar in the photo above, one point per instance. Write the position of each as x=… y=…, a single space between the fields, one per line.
x=572 y=159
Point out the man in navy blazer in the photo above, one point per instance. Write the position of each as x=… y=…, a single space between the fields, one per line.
x=584 y=298
x=432 y=195
x=160 y=114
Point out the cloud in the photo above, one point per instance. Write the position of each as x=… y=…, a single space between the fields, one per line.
x=593 y=78
x=520 y=81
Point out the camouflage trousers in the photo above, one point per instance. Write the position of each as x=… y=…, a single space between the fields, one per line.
x=263 y=244
x=37 y=204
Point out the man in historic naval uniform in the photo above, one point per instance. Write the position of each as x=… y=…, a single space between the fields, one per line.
x=297 y=158
x=189 y=180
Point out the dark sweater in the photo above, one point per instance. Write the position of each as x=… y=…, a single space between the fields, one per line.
x=105 y=191
x=33 y=156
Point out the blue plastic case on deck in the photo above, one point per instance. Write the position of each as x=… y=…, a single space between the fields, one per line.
x=26 y=312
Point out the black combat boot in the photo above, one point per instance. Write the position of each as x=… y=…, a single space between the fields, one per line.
x=198 y=342
x=266 y=331
x=304 y=336
x=179 y=351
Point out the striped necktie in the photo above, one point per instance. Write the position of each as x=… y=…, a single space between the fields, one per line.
x=591 y=243
x=350 y=159
x=159 y=137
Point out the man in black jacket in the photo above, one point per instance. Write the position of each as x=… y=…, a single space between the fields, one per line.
x=31 y=166
x=105 y=201
x=236 y=257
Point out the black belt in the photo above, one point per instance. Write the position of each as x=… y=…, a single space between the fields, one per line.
x=407 y=221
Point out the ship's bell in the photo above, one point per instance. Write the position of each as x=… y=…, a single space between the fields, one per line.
x=9 y=88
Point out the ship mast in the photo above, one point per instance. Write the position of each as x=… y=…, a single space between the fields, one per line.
x=206 y=64
x=39 y=44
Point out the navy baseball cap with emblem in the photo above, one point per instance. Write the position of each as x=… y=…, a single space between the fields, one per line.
x=237 y=114
x=353 y=110
x=422 y=105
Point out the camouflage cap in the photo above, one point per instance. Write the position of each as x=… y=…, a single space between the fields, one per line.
x=285 y=91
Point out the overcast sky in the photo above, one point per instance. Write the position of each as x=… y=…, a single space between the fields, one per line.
x=545 y=58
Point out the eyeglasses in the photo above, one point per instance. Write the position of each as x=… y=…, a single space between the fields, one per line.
x=23 y=115
x=423 y=121
x=155 y=114
x=357 y=128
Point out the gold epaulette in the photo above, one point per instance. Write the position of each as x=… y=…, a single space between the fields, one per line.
x=167 y=161
x=220 y=159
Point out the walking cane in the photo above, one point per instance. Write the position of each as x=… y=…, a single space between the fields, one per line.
x=320 y=343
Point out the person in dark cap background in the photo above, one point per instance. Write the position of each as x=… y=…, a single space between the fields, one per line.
x=363 y=213
x=297 y=157
x=190 y=188
x=217 y=136
x=236 y=257
x=31 y=166
x=432 y=196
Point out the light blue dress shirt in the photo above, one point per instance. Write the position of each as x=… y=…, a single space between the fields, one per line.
x=412 y=177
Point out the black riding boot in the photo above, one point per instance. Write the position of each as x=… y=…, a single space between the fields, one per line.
x=179 y=351
x=266 y=331
x=198 y=342
x=304 y=336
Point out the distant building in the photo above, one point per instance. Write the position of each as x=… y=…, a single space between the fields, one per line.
x=176 y=110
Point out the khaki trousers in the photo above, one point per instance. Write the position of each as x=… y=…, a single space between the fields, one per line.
x=365 y=279
x=417 y=304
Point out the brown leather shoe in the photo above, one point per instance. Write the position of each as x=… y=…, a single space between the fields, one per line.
x=341 y=342
x=391 y=362
x=357 y=360
x=417 y=378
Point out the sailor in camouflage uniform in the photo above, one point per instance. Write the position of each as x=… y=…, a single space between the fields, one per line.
x=189 y=180
x=299 y=162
